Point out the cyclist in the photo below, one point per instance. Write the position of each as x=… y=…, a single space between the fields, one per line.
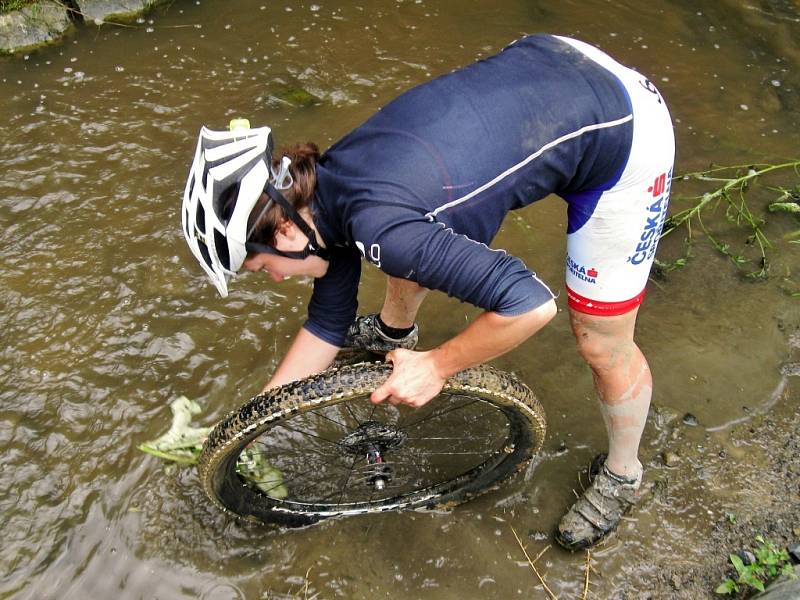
x=420 y=189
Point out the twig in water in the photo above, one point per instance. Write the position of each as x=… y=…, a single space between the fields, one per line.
x=305 y=587
x=535 y=570
x=585 y=595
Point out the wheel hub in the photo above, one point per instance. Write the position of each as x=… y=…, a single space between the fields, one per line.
x=370 y=437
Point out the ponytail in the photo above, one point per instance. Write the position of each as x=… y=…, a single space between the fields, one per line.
x=304 y=157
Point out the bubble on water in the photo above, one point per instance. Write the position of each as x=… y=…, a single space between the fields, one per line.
x=149 y=30
x=775 y=83
x=68 y=70
x=119 y=69
x=227 y=26
x=314 y=7
x=744 y=107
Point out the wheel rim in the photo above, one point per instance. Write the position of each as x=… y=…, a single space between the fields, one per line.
x=354 y=457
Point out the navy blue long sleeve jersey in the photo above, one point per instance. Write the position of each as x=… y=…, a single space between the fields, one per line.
x=422 y=187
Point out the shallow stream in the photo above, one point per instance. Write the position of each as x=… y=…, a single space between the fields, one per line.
x=105 y=317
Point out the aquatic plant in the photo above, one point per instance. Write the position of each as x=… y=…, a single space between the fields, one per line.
x=765 y=564
x=731 y=187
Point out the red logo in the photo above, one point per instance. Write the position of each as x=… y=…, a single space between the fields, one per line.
x=659 y=185
x=592 y=272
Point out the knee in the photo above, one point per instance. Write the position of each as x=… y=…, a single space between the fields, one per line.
x=603 y=352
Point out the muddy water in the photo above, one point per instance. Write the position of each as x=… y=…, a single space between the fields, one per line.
x=105 y=318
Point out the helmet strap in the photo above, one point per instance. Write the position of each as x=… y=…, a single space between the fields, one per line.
x=313 y=246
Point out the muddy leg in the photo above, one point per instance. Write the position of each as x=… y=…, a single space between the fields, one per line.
x=402 y=301
x=623 y=382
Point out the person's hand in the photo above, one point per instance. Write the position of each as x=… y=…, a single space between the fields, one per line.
x=414 y=380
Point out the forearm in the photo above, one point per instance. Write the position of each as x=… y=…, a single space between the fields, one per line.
x=307 y=355
x=488 y=336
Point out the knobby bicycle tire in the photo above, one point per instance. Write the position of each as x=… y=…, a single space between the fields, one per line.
x=269 y=413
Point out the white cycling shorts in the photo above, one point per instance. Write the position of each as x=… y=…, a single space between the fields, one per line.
x=610 y=255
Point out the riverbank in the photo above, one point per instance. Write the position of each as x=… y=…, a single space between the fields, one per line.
x=751 y=479
x=27 y=25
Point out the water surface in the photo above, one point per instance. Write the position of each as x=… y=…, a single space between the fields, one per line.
x=106 y=318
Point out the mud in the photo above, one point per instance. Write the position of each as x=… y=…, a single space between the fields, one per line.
x=752 y=477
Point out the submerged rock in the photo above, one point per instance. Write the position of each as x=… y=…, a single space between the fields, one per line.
x=32 y=26
x=296 y=96
x=670 y=459
x=690 y=420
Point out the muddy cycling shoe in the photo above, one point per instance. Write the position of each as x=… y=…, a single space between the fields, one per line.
x=365 y=334
x=599 y=510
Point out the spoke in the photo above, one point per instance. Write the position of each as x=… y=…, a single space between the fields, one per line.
x=303 y=489
x=350 y=410
x=472 y=439
x=270 y=451
x=342 y=425
x=293 y=478
x=314 y=435
x=440 y=414
x=413 y=412
x=448 y=453
x=346 y=481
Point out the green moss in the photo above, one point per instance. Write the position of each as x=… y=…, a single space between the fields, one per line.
x=297 y=96
x=7 y=6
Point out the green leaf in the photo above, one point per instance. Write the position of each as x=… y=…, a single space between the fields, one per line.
x=182 y=443
x=738 y=564
x=726 y=587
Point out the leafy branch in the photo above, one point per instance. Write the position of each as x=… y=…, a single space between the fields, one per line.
x=731 y=185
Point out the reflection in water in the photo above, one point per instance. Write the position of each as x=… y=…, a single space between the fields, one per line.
x=105 y=317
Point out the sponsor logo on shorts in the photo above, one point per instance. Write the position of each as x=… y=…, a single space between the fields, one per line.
x=654 y=220
x=589 y=275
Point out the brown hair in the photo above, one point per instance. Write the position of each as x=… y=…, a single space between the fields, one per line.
x=304 y=158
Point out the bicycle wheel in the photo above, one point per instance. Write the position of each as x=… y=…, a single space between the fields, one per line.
x=330 y=452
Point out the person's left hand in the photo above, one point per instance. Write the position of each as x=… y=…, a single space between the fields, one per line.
x=414 y=380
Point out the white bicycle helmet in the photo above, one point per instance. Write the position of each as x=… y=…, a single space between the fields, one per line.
x=238 y=159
